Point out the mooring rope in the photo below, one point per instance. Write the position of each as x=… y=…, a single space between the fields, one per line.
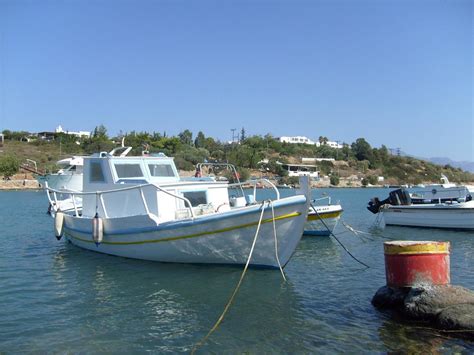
x=337 y=239
x=229 y=303
x=270 y=202
x=357 y=232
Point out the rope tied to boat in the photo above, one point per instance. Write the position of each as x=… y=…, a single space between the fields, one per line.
x=337 y=239
x=270 y=202
x=232 y=297
x=358 y=233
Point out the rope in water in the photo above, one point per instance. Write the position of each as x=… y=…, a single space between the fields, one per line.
x=229 y=303
x=337 y=239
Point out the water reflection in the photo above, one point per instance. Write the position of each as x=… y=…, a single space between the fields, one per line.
x=169 y=307
x=400 y=336
x=57 y=297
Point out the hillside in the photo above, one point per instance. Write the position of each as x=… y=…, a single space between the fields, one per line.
x=255 y=156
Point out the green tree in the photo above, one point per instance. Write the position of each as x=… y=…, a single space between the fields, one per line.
x=98 y=142
x=9 y=166
x=334 y=180
x=243 y=136
x=186 y=137
x=362 y=150
x=100 y=132
x=200 y=141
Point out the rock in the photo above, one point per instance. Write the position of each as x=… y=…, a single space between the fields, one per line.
x=449 y=308
x=389 y=298
x=428 y=302
x=457 y=317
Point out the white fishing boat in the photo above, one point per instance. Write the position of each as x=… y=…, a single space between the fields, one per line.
x=138 y=207
x=322 y=219
x=398 y=210
x=438 y=193
x=68 y=177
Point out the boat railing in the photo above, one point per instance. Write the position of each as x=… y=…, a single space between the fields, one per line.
x=213 y=166
x=255 y=183
x=322 y=199
x=100 y=197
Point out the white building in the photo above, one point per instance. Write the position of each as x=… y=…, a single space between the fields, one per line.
x=306 y=140
x=297 y=139
x=301 y=170
x=84 y=134
x=335 y=145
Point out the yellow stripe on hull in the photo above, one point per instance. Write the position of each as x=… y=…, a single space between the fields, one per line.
x=315 y=216
x=195 y=235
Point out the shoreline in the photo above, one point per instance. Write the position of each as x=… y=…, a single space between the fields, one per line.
x=31 y=184
x=19 y=184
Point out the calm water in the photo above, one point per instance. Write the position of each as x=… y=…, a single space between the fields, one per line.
x=57 y=297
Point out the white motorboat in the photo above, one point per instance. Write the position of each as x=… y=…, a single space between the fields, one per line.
x=68 y=177
x=398 y=210
x=322 y=219
x=438 y=193
x=138 y=207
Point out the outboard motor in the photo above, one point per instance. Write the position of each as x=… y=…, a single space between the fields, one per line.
x=398 y=197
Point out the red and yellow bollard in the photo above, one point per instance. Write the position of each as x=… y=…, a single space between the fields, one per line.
x=416 y=263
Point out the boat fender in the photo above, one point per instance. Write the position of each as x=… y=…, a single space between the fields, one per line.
x=434 y=191
x=97 y=229
x=58 y=224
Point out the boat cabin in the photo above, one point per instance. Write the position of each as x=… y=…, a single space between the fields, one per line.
x=150 y=185
x=70 y=165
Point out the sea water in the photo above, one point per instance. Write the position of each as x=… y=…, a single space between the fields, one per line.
x=55 y=297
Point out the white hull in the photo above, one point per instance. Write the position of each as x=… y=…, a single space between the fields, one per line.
x=456 y=216
x=223 y=238
x=330 y=215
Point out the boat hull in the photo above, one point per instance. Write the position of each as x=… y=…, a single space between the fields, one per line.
x=221 y=238
x=431 y=216
x=323 y=222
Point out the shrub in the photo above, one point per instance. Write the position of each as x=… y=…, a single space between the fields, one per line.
x=9 y=166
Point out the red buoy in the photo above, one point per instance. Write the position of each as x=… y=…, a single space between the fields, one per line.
x=416 y=263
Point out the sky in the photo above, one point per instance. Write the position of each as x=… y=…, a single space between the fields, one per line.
x=398 y=73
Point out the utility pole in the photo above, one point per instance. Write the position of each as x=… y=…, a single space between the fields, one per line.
x=233 y=134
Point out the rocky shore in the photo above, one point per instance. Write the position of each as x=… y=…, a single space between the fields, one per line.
x=19 y=184
x=447 y=308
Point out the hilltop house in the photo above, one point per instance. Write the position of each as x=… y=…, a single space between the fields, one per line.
x=306 y=140
x=297 y=139
x=79 y=134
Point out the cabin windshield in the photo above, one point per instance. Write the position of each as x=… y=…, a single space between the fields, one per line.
x=161 y=170
x=128 y=170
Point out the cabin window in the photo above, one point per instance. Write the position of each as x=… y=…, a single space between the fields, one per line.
x=128 y=170
x=161 y=170
x=196 y=197
x=96 y=175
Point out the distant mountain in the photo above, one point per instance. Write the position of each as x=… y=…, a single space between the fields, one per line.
x=464 y=165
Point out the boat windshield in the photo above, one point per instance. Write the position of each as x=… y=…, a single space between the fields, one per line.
x=128 y=170
x=161 y=170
